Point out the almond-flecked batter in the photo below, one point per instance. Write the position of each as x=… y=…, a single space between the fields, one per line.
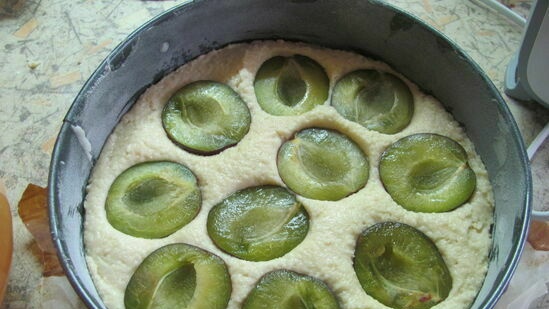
x=461 y=235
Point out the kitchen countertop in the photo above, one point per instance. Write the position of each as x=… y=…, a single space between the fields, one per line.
x=49 y=48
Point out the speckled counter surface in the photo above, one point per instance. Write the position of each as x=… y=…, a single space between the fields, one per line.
x=50 y=47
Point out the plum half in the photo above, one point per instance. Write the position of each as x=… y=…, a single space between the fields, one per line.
x=179 y=276
x=377 y=100
x=322 y=164
x=427 y=173
x=285 y=289
x=153 y=199
x=401 y=267
x=206 y=117
x=289 y=86
x=258 y=223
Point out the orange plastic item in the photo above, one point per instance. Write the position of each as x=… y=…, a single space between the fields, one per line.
x=538 y=236
x=6 y=244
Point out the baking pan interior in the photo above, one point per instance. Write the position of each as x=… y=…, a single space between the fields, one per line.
x=367 y=27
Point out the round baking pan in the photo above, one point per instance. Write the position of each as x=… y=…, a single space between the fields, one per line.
x=371 y=28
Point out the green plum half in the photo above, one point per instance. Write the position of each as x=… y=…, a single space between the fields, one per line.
x=258 y=223
x=322 y=164
x=153 y=199
x=179 y=276
x=377 y=100
x=206 y=117
x=288 y=86
x=427 y=173
x=401 y=267
x=285 y=289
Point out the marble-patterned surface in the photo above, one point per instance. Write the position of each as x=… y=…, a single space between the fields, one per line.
x=50 y=47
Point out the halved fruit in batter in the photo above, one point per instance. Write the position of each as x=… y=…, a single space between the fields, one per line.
x=206 y=117
x=179 y=276
x=322 y=164
x=258 y=223
x=427 y=173
x=401 y=267
x=153 y=199
x=377 y=100
x=287 y=86
x=285 y=289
